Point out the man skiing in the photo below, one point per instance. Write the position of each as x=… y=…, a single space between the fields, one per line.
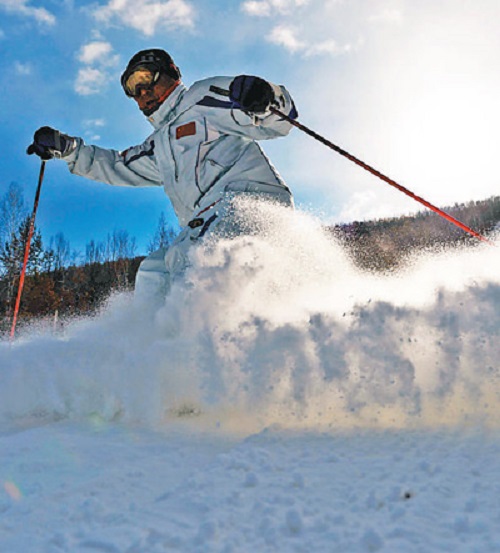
x=203 y=151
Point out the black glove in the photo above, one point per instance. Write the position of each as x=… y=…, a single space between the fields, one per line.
x=251 y=94
x=49 y=143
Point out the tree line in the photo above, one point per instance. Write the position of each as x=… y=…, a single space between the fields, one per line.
x=61 y=283
x=386 y=244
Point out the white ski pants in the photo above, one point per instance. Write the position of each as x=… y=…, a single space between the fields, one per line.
x=218 y=218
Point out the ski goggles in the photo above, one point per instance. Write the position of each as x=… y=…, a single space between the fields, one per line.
x=140 y=79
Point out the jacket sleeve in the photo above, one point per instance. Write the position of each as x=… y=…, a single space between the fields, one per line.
x=221 y=114
x=133 y=167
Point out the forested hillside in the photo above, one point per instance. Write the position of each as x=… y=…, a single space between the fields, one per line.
x=61 y=283
x=386 y=244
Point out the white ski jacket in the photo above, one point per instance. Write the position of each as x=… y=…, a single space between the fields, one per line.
x=201 y=147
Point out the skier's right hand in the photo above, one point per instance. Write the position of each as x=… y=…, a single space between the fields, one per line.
x=49 y=143
x=251 y=94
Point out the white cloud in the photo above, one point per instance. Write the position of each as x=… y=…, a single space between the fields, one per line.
x=305 y=26
x=91 y=123
x=147 y=15
x=257 y=8
x=95 y=52
x=328 y=46
x=387 y=16
x=23 y=68
x=368 y=203
x=91 y=126
x=286 y=37
x=264 y=8
x=89 y=81
x=22 y=7
x=98 y=58
x=289 y=39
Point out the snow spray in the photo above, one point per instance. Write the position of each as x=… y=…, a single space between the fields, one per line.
x=278 y=327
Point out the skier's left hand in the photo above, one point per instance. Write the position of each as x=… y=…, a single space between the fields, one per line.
x=251 y=94
x=49 y=143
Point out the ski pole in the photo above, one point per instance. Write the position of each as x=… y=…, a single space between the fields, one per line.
x=27 y=251
x=381 y=176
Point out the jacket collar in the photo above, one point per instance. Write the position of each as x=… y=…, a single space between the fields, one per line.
x=166 y=111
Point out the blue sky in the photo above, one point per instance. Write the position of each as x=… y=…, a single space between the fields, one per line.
x=410 y=87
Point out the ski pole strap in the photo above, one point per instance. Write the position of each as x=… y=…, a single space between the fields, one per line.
x=380 y=175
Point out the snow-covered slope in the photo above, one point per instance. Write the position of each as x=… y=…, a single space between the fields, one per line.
x=110 y=488
x=280 y=401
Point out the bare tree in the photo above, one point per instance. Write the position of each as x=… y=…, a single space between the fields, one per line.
x=94 y=252
x=60 y=251
x=12 y=213
x=164 y=235
x=119 y=245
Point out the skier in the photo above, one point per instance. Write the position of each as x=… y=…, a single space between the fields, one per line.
x=203 y=151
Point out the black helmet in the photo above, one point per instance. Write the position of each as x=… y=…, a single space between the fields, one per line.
x=157 y=59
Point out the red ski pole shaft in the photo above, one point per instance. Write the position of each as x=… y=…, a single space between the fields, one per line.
x=381 y=176
x=27 y=252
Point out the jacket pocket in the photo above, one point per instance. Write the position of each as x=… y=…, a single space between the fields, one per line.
x=216 y=158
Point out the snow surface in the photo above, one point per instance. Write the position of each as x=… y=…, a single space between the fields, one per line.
x=280 y=400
